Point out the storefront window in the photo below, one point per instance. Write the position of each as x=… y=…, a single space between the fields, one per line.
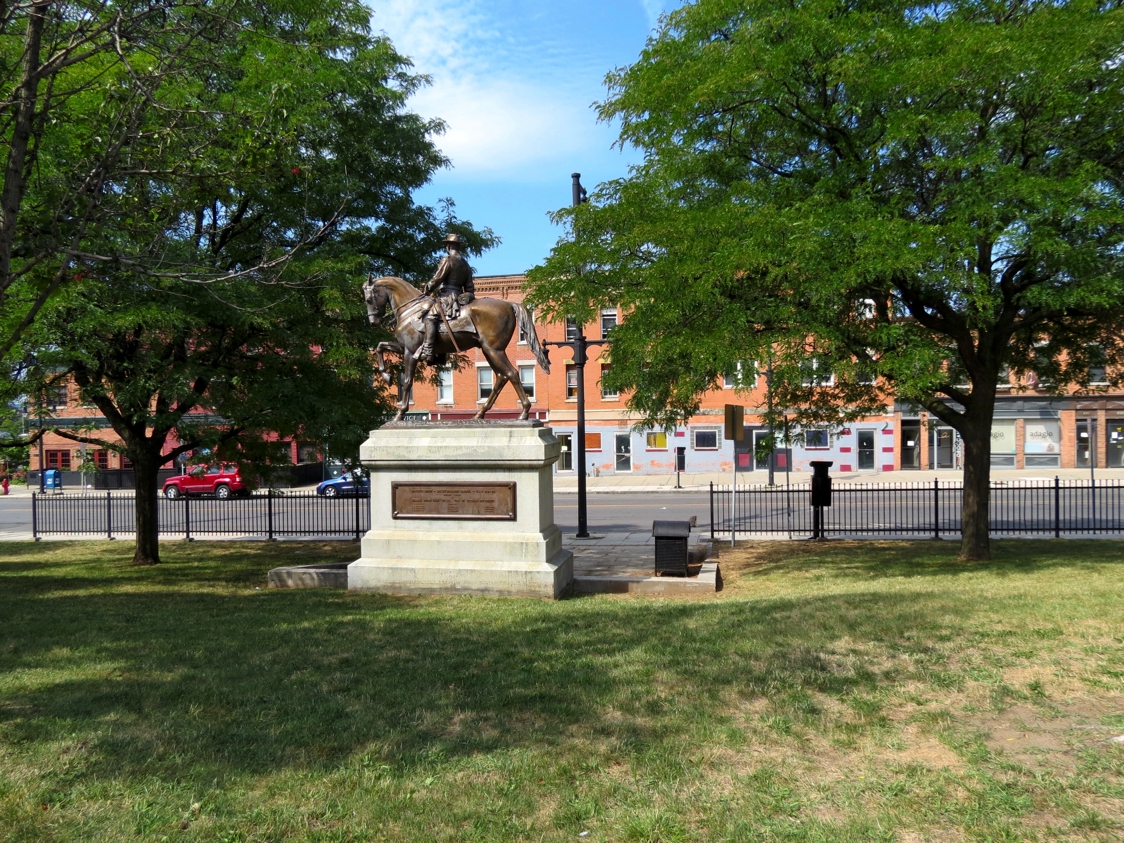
x=1003 y=448
x=1042 y=444
x=1114 y=443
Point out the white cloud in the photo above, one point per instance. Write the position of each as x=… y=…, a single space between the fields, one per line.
x=511 y=104
x=653 y=9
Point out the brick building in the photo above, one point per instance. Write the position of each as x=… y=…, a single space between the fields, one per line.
x=1032 y=430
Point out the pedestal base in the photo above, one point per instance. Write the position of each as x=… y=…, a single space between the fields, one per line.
x=462 y=508
x=500 y=578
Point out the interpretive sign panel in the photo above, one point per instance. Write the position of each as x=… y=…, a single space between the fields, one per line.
x=455 y=501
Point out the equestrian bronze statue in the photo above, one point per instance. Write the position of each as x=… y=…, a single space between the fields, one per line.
x=487 y=324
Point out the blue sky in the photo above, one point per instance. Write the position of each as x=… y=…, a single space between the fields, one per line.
x=515 y=81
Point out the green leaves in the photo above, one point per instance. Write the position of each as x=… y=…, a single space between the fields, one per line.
x=889 y=183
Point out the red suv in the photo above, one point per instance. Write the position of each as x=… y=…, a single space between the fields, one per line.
x=222 y=481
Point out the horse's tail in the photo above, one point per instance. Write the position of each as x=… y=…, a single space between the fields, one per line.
x=527 y=326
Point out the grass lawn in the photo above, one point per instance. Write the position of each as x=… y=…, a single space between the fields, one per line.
x=839 y=692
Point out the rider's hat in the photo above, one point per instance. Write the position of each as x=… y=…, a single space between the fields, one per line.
x=454 y=240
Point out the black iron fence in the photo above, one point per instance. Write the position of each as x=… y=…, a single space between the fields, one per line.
x=270 y=514
x=1019 y=507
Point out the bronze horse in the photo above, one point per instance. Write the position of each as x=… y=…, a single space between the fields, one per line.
x=495 y=321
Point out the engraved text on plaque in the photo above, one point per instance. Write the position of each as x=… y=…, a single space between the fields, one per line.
x=454 y=501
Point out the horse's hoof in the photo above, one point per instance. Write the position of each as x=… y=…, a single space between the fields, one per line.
x=523 y=415
x=479 y=415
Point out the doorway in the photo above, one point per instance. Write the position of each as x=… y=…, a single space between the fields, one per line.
x=866 y=450
x=760 y=457
x=624 y=451
x=944 y=448
x=911 y=444
x=566 y=458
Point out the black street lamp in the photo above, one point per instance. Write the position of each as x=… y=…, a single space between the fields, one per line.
x=579 y=344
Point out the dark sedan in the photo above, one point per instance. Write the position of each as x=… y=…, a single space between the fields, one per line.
x=345 y=484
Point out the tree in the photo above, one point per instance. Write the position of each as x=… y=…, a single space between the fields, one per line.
x=926 y=193
x=226 y=306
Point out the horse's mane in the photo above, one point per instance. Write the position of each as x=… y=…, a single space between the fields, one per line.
x=399 y=284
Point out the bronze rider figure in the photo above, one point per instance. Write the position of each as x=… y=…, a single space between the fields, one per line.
x=450 y=289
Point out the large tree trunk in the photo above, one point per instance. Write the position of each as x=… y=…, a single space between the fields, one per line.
x=146 y=469
x=975 y=525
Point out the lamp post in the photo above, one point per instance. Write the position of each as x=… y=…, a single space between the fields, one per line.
x=769 y=399
x=579 y=344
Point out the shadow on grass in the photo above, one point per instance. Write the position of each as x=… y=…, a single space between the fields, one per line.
x=183 y=682
x=922 y=558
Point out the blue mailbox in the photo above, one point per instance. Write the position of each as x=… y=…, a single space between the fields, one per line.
x=52 y=480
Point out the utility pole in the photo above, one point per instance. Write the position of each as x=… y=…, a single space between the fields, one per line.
x=579 y=343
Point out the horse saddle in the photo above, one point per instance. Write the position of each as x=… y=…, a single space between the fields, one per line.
x=463 y=324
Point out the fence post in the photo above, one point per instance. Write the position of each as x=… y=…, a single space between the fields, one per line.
x=712 y=510
x=35 y=517
x=187 y=517
x=357 y=508
x=269 y=510
x=108 y=516
x=936 y=509
x=1057 y=508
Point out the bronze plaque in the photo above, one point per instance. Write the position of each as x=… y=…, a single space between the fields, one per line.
x=454 y=501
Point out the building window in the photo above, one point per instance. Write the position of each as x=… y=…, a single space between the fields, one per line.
x=523 y=334
x=816 y=373
x=1097 y=371
x=656 y=440
x=527 y=379
x=571 y=328
x=1003 y=448
x=445 y=386
x=485 y=380
x=58 y=459
x=593 y=441
x=743 y=376
x=1003 y=380
x=608 y=321
x=607 y=392
x=816 y=439
x=704 y=440
x=56 y=398
x=101 y=459
x=1042 y=445
x=571 y=382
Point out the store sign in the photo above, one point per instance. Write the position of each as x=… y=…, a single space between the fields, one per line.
x=1042 y=438
x=1003 y=437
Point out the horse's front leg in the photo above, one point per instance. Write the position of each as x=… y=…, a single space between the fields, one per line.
x=406 y=385
x=392 y=348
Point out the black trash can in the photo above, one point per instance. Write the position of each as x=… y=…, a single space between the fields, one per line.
x=671 y=546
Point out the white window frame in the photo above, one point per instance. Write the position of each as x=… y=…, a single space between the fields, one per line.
x=605 y=394
x=571 y=328
x=814 y=380
x=738 y=379
x=483 y=369
x=566 y=383
x=611 y=312
x=528 y=368
x=695 y=431
x=817 y=431
x=442 y=375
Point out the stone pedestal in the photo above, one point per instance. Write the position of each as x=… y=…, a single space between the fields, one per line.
x=462 y=508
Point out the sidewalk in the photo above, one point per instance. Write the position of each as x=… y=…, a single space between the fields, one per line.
x=568 y=483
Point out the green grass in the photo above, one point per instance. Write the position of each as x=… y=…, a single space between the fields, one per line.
x=845 y=692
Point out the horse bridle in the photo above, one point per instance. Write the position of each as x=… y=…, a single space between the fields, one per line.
x=385 y=319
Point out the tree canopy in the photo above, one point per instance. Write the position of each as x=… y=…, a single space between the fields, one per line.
x=923 y=193
x=216 y=288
